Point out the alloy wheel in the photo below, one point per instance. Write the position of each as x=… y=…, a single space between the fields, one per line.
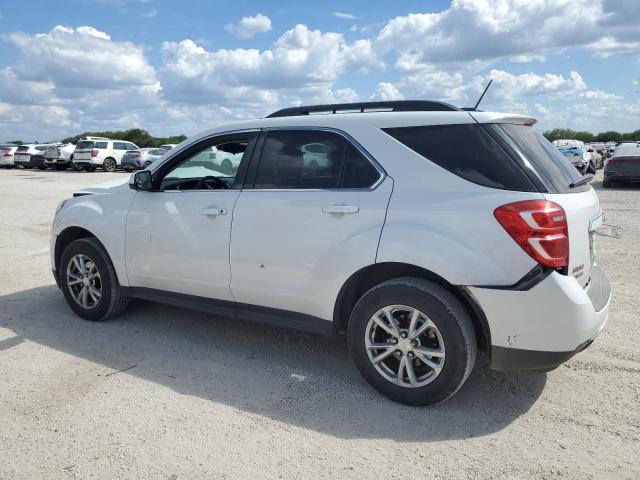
x=404 y=346
x=83 y=281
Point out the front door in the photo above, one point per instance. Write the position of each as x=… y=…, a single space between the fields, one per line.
x=177 y=235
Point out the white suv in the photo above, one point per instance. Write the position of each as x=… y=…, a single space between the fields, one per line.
x=426 y=233
x=93 y=152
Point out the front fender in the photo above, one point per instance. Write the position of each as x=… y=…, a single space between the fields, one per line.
x=104 y=216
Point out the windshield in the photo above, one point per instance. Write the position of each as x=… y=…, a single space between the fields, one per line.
x=543 y=156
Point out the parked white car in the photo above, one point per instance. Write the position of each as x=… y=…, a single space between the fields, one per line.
x=59 y=156
x=7 y=152
x=30 y=155
x=91 y=153
x=432 y=232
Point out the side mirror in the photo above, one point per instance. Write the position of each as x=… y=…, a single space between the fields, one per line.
x=141 y=180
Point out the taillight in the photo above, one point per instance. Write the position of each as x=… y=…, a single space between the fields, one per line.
x=8 y=155
x=94 y=153
x=540 y=228
x=624 y=160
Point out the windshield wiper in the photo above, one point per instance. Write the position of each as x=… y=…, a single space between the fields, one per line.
x=585 y=179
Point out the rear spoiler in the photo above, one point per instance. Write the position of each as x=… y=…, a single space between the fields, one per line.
x=494 y=117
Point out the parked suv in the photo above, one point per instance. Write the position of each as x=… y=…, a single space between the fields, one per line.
x=30 y=156
x=93 y=152
x=425 y=234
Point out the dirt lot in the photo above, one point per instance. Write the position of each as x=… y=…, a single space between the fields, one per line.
x=208 y=398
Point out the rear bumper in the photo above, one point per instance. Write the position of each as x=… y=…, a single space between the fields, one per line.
x=4 y=161
x=57 y=161
x=542 y=327
x=130 y=163
x=82 y=161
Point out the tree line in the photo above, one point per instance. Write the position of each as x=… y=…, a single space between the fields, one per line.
x=140 y=137
x=587 y=137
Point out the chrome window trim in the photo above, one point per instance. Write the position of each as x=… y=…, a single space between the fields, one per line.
x=352 y=141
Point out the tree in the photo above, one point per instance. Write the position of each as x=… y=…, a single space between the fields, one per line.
x=140 y=137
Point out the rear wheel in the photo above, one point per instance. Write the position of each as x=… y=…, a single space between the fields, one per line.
x=412 y=340
x=606 y=184
x=109 y=165
x=89 y=281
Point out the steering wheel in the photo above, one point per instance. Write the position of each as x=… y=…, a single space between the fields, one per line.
x=211 y=183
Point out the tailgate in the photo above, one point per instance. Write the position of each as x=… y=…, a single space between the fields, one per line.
x=583 y=214
x=82 y=155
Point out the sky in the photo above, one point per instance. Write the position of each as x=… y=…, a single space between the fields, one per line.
x=174 y=67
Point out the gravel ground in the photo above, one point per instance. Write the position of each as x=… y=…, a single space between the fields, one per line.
x=209 y=398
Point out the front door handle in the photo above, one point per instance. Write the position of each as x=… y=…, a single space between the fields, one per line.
x=213 y=211
x=341 y=209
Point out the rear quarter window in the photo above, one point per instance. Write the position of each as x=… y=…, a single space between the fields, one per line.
x=467 y=151
x=100 y=145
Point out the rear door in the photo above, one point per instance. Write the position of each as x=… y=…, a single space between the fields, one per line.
x=305 y=221
x=83 y=150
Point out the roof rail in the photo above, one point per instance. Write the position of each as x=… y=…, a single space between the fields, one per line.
x=362 y=107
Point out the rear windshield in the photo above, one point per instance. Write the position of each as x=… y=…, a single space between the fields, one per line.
x=468 y=151
x=546 y=160
x=627 y=150
x=84 y=144
x=23 y=148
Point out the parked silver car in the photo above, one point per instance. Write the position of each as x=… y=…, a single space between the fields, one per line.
x=141 y=158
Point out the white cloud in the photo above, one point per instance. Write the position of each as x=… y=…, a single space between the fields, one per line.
x=83 y=57
x=150 y=14
x=248 y=27
x=387 y=91
x=345 y=15
x=300 y=59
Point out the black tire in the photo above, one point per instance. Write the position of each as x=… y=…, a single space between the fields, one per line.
x=111 y=302
x=444 y=310
x=109 y=165
x=41 y=167
x=61 y=168
x=90 y=169
x=606 y=184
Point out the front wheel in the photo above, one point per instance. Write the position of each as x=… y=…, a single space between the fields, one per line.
x=89 y=281
x=412 y=340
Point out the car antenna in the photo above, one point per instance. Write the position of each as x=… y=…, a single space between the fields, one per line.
x=482 y=96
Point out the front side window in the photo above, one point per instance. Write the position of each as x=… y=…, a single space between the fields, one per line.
x=311 y=159
x=213 y=167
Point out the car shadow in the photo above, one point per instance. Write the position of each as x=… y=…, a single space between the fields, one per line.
x=299 y=379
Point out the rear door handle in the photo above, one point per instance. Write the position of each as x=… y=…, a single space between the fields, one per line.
x=341 y=209
x=213 y=211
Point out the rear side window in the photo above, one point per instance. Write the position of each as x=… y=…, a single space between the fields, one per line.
x=312 y=159
x=468 y=151
x=100 y=144
x=545 y=159
x=358 y=171
x=120 y=146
